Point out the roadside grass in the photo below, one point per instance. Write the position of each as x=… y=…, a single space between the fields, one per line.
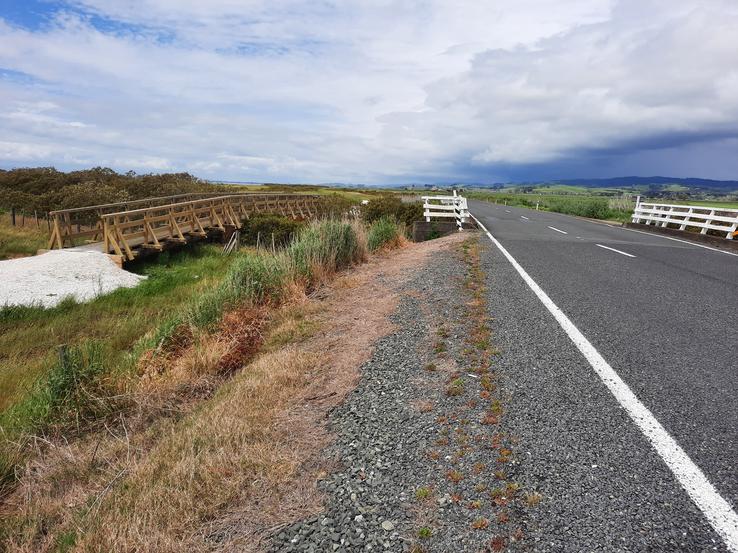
x=20 y=241
x=593 y=207
x=148 y=489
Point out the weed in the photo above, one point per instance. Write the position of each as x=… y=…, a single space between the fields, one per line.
x=533 y=498
x=423 y=493
x=454 y=476
x=498 y=543
x=480 y=523
x=476 y=504
x=496 y=407
x=425 y=532
x=439 y=347
x=431 y=367
x=503 y=517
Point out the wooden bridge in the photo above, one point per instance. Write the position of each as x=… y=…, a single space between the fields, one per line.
x=126 y=228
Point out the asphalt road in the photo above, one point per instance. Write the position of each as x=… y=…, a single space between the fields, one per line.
x=665 y=317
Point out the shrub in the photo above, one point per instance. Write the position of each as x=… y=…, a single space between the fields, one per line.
x=383 y=231
x=392 y=207
x=268 y=229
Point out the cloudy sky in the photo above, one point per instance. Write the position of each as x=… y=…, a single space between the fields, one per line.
x=372 y=91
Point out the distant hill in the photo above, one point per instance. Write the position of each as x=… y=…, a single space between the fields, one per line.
x=620 y=182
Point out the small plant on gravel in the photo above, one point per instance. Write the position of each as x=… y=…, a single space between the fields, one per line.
x=500 y=474
x=456 y=498
x=489 y=418
x=471 y=404
x=454 y=476
x=503 y=517
x=480 y=523
x=423 y=493
x=433 y=455
x=478 y=468
x=512 y=487
x=425 y=532
x=533 y=498
x=486 y=383
x=498 y=543
x=443 y=332
x=431 y=367
x=439 y=347
x=484 y=394
x=442 y=441
x=479 y=488
x=476 y=504
x=496 y=407
x=456 y=388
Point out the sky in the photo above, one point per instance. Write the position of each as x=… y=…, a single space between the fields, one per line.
x=372 y=91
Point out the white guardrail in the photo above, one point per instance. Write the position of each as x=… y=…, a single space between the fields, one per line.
x=446 y=207
x=721 y=220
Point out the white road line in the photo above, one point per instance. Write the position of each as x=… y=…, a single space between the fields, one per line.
x=557 y=230
x=614 y=250
x=716 y=509
x=524 y=217
x=507 y=211
x=674 y=239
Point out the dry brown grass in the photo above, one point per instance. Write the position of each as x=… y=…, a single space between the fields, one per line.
x=230 y=460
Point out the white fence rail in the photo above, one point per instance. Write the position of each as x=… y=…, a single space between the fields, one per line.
x=722 y=220
x=446 y=207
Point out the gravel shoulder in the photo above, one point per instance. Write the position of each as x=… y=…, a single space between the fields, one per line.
x=423 y=461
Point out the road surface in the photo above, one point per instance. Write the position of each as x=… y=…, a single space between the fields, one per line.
x=664 y=315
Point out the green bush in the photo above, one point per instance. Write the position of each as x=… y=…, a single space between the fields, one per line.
x=390 y=206
x=382 y=231
x=267 y=229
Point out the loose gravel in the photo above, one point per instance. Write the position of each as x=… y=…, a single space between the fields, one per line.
x=47 y=279
x=418 y=469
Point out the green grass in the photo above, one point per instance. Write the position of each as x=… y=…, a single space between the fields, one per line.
x=30 y=336
x=591 y=206
x=20 y=241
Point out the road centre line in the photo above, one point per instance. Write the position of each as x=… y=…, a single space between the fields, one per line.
x=557 y=230
x=614 y=250
x=715 y=508
x=524 y=217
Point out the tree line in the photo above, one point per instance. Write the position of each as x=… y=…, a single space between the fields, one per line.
x=43 y=189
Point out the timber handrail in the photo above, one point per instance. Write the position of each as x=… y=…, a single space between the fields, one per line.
x=124 y=232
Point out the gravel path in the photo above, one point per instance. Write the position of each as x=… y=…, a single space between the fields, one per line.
x=419 y=469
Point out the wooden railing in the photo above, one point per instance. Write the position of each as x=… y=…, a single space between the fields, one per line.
x=123 y=231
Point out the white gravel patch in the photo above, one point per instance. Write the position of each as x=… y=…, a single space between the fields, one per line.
x=46 y=279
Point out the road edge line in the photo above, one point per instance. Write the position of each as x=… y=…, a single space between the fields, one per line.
x=716 y=509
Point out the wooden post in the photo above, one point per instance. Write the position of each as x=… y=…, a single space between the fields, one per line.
x=12 y=216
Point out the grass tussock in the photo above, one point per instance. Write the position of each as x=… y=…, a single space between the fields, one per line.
x=384 y=233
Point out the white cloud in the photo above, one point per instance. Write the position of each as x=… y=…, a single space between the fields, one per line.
x=364 y=91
